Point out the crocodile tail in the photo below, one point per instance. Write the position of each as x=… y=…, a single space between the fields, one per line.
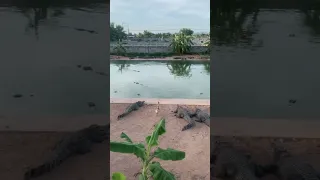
x=123 y=115
x=188 y=126
x=42 y=169
x=207 y=122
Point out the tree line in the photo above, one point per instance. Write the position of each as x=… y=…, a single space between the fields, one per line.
x=117 y=32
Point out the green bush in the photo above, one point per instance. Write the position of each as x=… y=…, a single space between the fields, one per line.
x=149 y=169
x=181 y=43
x=118 y=176
x=120 y=49
x=208 y=44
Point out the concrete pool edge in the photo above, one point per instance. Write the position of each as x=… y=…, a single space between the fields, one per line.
x=200 y=102
x=198 y=60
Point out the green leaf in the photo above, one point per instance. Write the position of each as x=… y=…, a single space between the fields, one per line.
x=159 y=129
x=169 y=154
x=126 y=137
x=118 y=176
x=158 y=173
x=128 y=148
x=140 y=177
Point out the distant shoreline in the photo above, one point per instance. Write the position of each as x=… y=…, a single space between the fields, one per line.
x=190 y=57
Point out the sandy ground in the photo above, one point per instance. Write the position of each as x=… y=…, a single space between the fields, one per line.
x=195 y=142
x=185 y=57
x=20 y=150
x=259 y=148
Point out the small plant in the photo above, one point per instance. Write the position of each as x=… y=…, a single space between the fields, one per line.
x=149 y=169
x=120 y=49
x=208 y=44
x=118 y=176
x=181 y=43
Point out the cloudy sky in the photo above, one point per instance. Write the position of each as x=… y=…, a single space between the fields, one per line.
x=161 y=15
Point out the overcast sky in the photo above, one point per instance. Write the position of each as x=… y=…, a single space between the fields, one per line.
x=161 y=15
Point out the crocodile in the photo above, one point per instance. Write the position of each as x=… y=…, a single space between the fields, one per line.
x=184 y=113
x=132 y=107
x=230 y=163
x=78 y=142
x=292 y=168
x=202 y=117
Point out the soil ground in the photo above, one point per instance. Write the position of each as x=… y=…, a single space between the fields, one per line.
x=195 y=142
x=308 y=149
x=185 y=57
x=20 y=150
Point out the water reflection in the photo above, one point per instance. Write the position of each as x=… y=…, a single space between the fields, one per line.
x=180 y=68
x=312 y=20
x=265 y=55
x=159 y=79
x=123 y=65
x=43 y=44
x=229 y=26
x=235 y=22
x=206 y=67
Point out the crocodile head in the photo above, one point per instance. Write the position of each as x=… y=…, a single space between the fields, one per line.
x=98 y=133
x=140 y=103
x=178 y=107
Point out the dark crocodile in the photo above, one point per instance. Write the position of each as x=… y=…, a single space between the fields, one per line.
x=132 y=107
x=230 y=163
x=202 y=117
x=79 y=142
x=184 y=113
x=292 y=168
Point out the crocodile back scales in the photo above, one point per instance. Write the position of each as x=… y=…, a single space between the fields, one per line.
x=132 y=107
x=290 y=167
x=202 y=117
x=78 y=142
x=184 y=113
x=231 y=163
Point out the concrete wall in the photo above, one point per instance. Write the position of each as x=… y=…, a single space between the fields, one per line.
x=155 y=49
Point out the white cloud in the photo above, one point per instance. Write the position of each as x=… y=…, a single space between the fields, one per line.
x=150 y=14
x=200 y=8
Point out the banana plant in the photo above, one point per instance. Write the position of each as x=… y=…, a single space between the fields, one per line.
x=118 y=176
x=181 y=43
x=150 y=169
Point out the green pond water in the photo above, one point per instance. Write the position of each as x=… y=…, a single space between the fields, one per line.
x=160 y=79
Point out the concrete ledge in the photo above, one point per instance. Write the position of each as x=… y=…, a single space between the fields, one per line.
x=158 y=59
x=201 y=102
x=298 y=128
